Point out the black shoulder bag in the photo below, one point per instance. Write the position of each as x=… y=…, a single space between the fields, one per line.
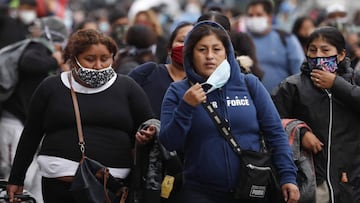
x=257 y=181
x=93 y=182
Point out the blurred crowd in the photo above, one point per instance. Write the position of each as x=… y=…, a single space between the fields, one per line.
x=116 y=17
x=142 y=31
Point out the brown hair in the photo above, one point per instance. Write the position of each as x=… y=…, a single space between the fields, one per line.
x=176 y=31
x=151 y=16
x=81 y=40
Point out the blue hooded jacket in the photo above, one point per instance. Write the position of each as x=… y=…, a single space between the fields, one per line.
x=209 y=161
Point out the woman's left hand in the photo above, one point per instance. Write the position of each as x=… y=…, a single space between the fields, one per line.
x=145 y=135
x=322 y=79
x=290 y=193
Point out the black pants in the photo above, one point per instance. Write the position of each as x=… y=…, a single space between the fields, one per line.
x=196 y=195
x=56 y=191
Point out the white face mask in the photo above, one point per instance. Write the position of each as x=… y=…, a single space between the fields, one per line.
x=256 y=24
x=219 y=77
x=341 y=20
x=104 y=27
x=27 y=17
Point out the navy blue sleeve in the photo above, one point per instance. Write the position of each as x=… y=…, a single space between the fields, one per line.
x=140 y=73
x=176 y=116
x=272 y=128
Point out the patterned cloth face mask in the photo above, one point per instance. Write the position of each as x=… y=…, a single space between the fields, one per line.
x=94 y=78
x=328 y=63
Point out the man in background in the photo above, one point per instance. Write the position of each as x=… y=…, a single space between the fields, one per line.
x=279 y=53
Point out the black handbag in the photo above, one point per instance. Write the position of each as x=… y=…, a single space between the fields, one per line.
x=257 y=181
x=93 y=182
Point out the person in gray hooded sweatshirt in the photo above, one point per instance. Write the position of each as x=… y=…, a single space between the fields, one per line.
x=211 y=167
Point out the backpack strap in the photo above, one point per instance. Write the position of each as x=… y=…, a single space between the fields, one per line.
x=292 y=128
x=291 y=125
x=282 y=34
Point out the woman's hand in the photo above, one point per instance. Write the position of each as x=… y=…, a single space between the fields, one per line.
x=195 y=95
x=311 y=143
x=145 y=135
x=12 y=190
x=322 y=79
x=290 y=193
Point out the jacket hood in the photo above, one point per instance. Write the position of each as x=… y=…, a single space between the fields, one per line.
x=189 y=69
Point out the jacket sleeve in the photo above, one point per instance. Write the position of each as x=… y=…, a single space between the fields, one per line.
x=139 y=104
x=37 y=59
x=31 y=135
x=283 y=97
x=141 y=72
x=275 y=135
x=347 y=93
x=176 y=116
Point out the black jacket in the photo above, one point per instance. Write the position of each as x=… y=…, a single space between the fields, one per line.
x=35 y=64
x=334 y=117
x=11 y=31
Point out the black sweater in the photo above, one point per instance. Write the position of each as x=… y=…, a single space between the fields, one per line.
x=109 y=118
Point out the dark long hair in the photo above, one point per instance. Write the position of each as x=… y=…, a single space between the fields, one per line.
x=216 y=17
x=176 y=31
x=244 y=45
x=198 y=33
x=331 y=35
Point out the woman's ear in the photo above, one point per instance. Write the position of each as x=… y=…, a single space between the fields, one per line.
x=341 y=55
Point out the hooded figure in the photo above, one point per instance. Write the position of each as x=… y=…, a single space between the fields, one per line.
x=51 y=29
x=211 y=167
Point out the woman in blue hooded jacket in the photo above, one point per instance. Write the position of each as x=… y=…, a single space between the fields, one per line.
x=211 y=168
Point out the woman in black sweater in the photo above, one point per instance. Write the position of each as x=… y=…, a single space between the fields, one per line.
x=111 y=108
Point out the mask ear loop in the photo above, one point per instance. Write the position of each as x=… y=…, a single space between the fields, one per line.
x=211 y=86
x=77 y=64
x=208 y=89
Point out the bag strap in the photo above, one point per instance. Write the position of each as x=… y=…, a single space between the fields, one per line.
x=77 y=116
x=223 y=127
x=105 y=171
x=221 y=124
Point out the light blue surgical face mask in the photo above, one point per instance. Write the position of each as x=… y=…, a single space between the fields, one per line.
x=219 y=77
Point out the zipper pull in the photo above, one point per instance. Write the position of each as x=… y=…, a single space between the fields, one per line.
x=344 y=178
